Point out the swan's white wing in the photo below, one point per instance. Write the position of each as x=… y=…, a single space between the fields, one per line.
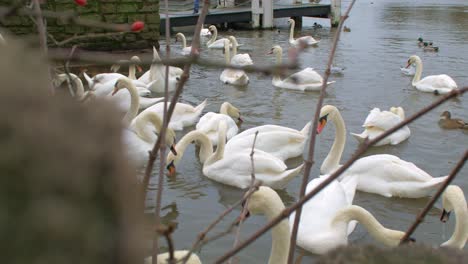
x=438 y=81
x=241 y=59
x=218 y=44
x=307 y=75
x=381 y=119
x=266 y=128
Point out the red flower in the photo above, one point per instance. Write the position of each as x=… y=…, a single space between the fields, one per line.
x=137 y=26
x=81 y=2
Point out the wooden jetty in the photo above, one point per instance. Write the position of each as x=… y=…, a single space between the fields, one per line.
x=255 y=14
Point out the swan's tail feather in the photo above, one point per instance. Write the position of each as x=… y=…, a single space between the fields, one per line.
x=89 y=80
x=306 y=130
x=436 y=182
x=156 y=54
x=201 y=106
x=331 y=82
x=286 y=177
x=359 y=137
x=147 y=102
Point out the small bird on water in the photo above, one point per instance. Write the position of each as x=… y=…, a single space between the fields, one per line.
x=447 y=122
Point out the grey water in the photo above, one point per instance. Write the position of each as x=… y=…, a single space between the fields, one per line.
x=383 y=35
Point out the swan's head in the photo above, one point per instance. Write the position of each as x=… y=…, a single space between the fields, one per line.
x=264 y=201
x=452 y=195
x=233 y=40
x=445 y=115
x=232 y=111
x=291 y=21
x=413 y=59
x=327 y=111
x=121 y=83
x=275 y=50
x=135 y=60
x=178 y=35
x=212 y=28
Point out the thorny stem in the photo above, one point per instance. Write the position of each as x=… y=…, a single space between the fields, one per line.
x=431 y=203
x=362 y=148
x=309 y=162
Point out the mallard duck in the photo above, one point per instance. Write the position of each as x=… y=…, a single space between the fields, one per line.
x=447 y=122
x=346 y=29
x=420 y=42
x=429 y=47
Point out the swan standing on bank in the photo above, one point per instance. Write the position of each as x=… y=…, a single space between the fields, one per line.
x=185 y=50
x=209 y=122
x=454 y=200
x=382 y=174
x=438 y=84
x=184 y=114
x=306 y=40
x=377 y=122
x=305 y=80
x=234 y=168
x=232 y=76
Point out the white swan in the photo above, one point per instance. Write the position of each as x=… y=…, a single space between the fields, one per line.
x=163 y=258
x=306 y=40
x=305 y=80
x=204 y=32
x=377 y=122
x=382 y=174
x=139 y=139
x=185 y=49
x=234 y=168
x=157 y=71
x=438 y=84
x=315 y=233
x=232 y=76
x=208 y=123
x=214 y=43
x=279 y=141
x=454 y=200
x=77 y=83
x=102 y=84
x=184 y=114
x=241 y=59
x=135 y=61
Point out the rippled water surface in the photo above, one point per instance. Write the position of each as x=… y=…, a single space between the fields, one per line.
x=383 y=36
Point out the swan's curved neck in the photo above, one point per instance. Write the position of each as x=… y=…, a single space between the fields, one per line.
x=206 y=148
x=213 y=37
x=234 y=46
x=132 y=71
x=386 y=236
x=141 y=129
x=79 y=87
x=419 y=69
x=291 y=30
x=227 y=53
x=224 y=109
x=219 y=153
x=332 y=161
x=460 y=234
x=134 y=103
x=184 y=41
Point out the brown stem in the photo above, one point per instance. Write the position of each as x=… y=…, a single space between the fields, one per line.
x=309 y=162
x=431 y=202
x=362 y=148
x=86 y=36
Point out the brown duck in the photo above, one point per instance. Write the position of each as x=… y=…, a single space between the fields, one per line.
x=447 y=122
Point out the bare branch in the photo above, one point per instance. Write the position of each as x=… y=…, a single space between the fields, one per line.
x=86 y=36
x=167 y=231
x=362 y=148
x=431 y=203
x=309 y=162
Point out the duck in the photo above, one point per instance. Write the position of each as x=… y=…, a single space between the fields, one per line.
x=139 y=138
x=241 y=59
x=447 y=122
x=125 y=95
x=157 y=71
x=429 y=47
x=184 y=115
x=280 y=141
x=214 y=43
x=317 y=215
x=346 y=29
x=420 y=42
x=234 y=168
x=305 y=80
x=453 y=199
x=382 y=174
x=306 y=40
x=163 y=258
x=232 y=76
x=209 y=122
x=437 y=84
x=377 y=122
x=185 y=49
x=267 y=202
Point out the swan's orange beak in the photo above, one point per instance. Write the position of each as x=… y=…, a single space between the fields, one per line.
x=444 y=217
x=240 y=119
x=321 y=124
x=139 y=68
x=171 y=169
x=408 y=65
x=270 y=52
x=173 y=150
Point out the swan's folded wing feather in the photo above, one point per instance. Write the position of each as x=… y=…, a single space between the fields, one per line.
x=382 y=119
x=438 y=81
x=241 y=59
x=267 y=163
x=307 y=75
x=398 y=170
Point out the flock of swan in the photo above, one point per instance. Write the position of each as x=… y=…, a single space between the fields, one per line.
x=329 y=217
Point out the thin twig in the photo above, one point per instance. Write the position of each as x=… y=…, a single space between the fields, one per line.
x=244 y=208
x=431 y=203
x=162 y=134
x=86 y=36
x=362 y=148
x=309 y=162
x=71 y=84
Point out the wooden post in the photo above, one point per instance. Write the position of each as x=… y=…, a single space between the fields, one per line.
x=256 y=11
x=267 y=18
x=335 y=12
